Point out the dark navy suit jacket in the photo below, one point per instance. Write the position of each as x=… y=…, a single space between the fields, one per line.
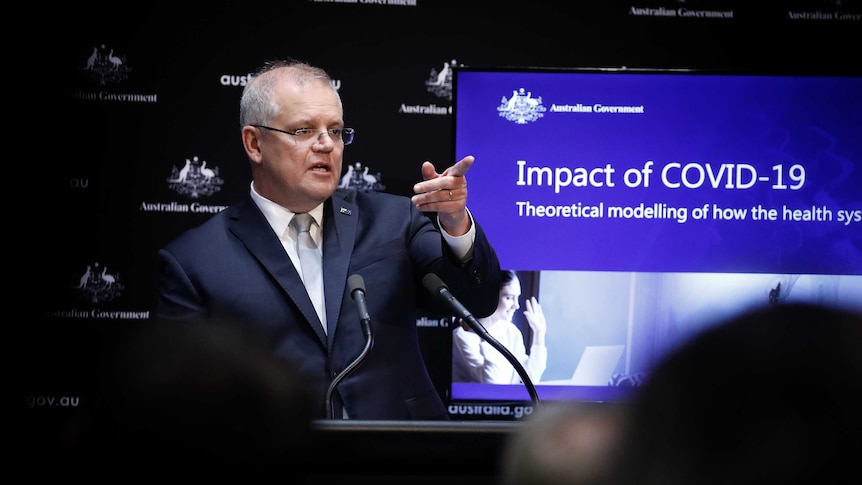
x=233 y=269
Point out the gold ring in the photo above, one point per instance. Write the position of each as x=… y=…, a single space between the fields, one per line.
x=450 y=194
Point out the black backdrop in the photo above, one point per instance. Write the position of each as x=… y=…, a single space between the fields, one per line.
x=110 y=134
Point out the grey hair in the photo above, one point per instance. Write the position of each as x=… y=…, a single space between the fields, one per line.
x=257 y=105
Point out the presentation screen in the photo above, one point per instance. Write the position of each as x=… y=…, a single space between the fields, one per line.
x=640 y=206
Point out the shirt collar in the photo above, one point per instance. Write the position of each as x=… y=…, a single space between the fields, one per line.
x=278 y=216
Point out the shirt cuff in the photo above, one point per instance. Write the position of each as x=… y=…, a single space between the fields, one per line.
x=462 y=246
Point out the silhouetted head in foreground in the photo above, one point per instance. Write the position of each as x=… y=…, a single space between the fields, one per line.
x=200 y=399
x=566 y=443
x=769 y=397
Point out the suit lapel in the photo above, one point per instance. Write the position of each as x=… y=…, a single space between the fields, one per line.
x=340 y=228
x=249 y=225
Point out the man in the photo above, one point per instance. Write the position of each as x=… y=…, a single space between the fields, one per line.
x=243 y=265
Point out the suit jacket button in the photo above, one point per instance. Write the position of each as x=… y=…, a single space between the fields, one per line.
x=477 y=276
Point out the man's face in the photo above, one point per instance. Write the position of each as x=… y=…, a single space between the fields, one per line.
x=295 y=174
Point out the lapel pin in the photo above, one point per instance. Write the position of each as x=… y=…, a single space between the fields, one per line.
x=345 y=211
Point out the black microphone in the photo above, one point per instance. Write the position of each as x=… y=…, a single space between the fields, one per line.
x=356 y=285
x=435 y=285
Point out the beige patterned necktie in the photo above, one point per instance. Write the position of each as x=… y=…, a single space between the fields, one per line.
x=310 y=262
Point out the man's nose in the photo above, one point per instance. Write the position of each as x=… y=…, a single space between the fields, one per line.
x=324 y=141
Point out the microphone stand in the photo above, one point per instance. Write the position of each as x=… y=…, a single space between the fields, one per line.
x=435 y=285
x=369 y=342
x=525 y=378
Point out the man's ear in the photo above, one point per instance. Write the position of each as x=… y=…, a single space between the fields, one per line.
x=251 y=143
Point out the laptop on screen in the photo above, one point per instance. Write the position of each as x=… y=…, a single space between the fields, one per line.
x=597 y=364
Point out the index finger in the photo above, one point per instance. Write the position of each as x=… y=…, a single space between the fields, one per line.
x=460 y=168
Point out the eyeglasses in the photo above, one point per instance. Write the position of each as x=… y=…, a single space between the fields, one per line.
x=307 y=136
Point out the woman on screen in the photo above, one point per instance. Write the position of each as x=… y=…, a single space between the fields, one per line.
x=475 y=360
